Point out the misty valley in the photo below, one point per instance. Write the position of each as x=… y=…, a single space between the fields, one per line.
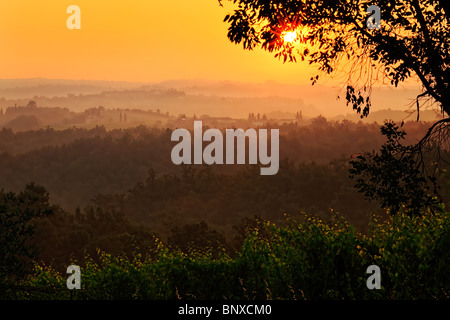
x=139 y=174
x=124 y=183
x=214 y=154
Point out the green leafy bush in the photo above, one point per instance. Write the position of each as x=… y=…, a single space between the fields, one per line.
x=306 y=258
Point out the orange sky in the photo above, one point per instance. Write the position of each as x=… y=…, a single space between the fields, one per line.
x=133 y=40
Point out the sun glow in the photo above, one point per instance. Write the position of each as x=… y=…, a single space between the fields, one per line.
x=118 y=37
x=290 y=36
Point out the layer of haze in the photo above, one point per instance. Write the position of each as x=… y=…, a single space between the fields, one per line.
x=146 y=41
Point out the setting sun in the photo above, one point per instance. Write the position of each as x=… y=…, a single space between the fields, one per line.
x=290 y=36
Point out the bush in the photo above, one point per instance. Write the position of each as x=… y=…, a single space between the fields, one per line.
x=305 y=258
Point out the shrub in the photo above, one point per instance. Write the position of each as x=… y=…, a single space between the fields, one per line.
x=305 y=258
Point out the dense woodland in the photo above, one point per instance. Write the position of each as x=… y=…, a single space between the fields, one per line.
x=115 y=190
x=77 y=164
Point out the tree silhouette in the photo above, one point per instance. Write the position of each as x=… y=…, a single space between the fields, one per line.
x=393 y=176
x=18 y=214
x=412 y=39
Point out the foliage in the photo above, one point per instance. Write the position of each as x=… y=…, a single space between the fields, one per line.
x=165 y=200
x=75 y=165
x=18 y=215
x=393 y=176
x=197 y=237
x=306 y=258
x=412 y=38
x=414 y=252
x=63 y=236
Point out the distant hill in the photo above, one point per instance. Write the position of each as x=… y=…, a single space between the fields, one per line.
x=215 y=98
x=170 y=101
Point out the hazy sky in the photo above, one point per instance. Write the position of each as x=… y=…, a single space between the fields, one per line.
x=148 y=40
x=133 y=40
